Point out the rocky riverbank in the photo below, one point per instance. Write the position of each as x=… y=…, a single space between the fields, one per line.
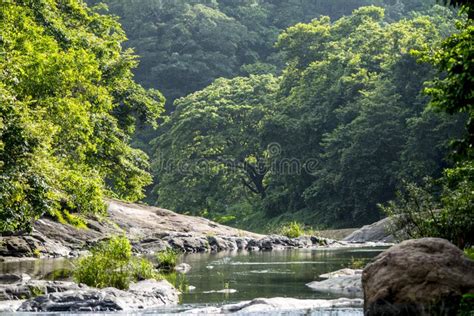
x=150 y=230
x=22 y=294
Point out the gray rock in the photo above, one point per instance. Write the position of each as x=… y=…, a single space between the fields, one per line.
x=274 y=242
x=150 y=245
x=152 y=229
x=254 y=245
x=182 y=268
x=217 y=243
x=10 y=306
x=13 y=246
x=32 y=288
x=418 y=277
x=241 y=243
x=153 y=289
x=341 y=272
x=188 y=244
x=350 y=285
x=271 y=306
x=376 y=232
x=142 y=295
x=14 y=278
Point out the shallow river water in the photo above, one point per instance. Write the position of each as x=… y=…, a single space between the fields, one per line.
x=246 y=275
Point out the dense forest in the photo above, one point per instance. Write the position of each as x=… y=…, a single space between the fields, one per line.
x=252 y=113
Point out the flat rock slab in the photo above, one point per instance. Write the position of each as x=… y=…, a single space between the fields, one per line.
x=281 y=305
x=350 y=285
x=31 y=288
x=142 y=295
x=150 y=230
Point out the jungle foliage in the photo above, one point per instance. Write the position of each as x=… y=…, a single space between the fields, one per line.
x=325 y=143
x=68 y=106
x=296 y=111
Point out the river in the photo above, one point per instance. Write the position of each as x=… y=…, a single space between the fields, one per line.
x=243 y=275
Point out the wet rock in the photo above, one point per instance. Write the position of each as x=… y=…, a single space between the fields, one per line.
x=241 y=243
x=254 y=245
x=303 y=242
x=224 y=291
x=182 y=268
x=350 y=285
x=14 y=278
x=188 y=244
x=274 y=242
x=10 y=306
x=341 y=272
x=142 y=295
x=32 y=288
x=417 y=277
x=217 y=243
x=271 y=306
x=152 y=289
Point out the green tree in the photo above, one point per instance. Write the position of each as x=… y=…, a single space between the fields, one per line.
x=68 y=108
x=350 y=97
x=447 y=210
x=211 y=153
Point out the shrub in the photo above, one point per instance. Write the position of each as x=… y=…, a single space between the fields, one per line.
x=356 y=263
x=167 y=259
x=292 y=230
x=469 y=252
x=112 y=265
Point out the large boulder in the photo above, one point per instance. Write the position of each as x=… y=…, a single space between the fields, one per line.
x=417 y=277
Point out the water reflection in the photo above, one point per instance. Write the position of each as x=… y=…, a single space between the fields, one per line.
x=231 y=277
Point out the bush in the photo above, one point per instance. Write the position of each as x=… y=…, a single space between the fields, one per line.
x=292 y=230
x=469 y=252
x=423 y=212
x=112 y=265
x=167 y=259
x=356 y=263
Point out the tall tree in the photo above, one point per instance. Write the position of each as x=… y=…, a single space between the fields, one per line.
x=68 y=105
x=211 y=153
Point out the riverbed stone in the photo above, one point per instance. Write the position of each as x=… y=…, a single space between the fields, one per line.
x=270 y=306
x=153 y=289
x=14 y=278
x=10 y=306
x=350 y=285
x=32 y=288
x=183 y=268
x=217 y=244
x=142 y=295
x=188 y=243
x=425 y=276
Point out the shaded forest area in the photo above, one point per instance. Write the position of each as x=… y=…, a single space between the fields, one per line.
x=276 y=111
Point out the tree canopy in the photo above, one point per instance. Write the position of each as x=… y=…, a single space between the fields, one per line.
x=68 y=108
x=348 y=119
